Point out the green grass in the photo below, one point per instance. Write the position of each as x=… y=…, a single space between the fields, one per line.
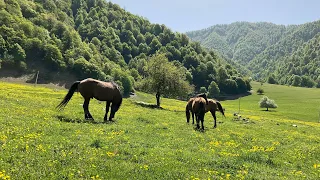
x=37 y=142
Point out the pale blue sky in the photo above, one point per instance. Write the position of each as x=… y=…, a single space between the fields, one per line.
x=187 y=15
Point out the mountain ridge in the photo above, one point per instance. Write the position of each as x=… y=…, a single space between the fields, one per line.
x=261 y=47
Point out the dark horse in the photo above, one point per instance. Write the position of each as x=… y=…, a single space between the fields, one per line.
x=212 y=106
x=198 y=108
x=102 y=91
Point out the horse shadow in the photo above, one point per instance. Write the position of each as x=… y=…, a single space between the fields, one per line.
x=199 y=129
x=78 y=120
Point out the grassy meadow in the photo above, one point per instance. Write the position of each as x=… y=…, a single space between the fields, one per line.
x=38 y=142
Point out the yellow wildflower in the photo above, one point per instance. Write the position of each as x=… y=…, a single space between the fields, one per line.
x=110 y=154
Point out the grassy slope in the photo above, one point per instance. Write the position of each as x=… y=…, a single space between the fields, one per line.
x=37 y=142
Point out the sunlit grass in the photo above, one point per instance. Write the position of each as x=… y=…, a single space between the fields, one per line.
x=38 y=142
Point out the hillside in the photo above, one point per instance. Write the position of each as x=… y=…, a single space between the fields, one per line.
x=38 y=142
x=99 y=39
x=266 y=49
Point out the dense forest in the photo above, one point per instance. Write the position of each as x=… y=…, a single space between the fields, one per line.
x=96 y=38
x=273 y=53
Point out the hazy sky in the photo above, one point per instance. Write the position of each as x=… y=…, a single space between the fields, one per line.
x=187 y=15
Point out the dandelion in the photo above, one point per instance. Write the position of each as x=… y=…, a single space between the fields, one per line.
x=256 y=148
x=3 y=139
x=276 y=143
x=215 y=143
x=3 y=175
x=111 y=154
x=95 y=177
x=41 y=148
x=270 y=149
x=117 y=132
x=27 y=147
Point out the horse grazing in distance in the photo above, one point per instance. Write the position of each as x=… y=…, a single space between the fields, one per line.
x=199 y=109
x=212 y=106
x=92 y=88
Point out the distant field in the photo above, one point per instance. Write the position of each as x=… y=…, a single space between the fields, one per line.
x=37 y=142
x=294 y=103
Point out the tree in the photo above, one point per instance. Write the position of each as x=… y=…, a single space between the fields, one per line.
x=163 y=78
x=265 y=102
x=306 y=81
x=296 y=80
x=222 y=74
x=242 y=86
x=213 y=89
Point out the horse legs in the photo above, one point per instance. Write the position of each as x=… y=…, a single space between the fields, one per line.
x=214 y=117
x=202 y=120
x=114 y=108
x=85 y=106
x=107 y=110
x=197 y=119
x=192 y=117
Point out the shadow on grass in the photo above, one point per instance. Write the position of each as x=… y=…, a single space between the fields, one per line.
x=147 y=105
x=233 y=97
x=77 y=120
x=199 y=129
x=269 y=110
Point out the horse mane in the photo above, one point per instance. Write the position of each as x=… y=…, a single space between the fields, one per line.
x=115 y=85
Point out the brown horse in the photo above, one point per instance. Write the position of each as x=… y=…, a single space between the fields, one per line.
x=102 y=91
x=199 y=109
x=212 y=106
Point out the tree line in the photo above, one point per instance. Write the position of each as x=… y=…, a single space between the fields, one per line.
x=98 y=39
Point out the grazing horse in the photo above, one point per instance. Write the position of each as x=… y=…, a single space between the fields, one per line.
x=102 y=91
x=199 y=109
x=212 y=106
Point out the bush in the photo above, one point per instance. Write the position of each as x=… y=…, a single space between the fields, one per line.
x=126 y=80
x=203 y=90
x=85 y=69
x=260 y=91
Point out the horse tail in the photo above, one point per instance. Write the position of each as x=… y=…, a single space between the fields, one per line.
x=188 y=113
x=220 y=108
x=67 y=98
x=202 y=107
x=202 y=110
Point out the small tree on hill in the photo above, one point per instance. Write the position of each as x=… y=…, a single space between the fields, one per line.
x=265 y=102
x=164 y=78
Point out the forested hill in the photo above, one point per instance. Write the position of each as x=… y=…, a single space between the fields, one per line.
x=95 y=38
x=275 y=53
